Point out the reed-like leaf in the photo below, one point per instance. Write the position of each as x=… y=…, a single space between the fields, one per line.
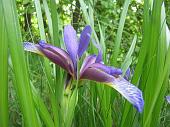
x=40 y=19
x=4 y=115
x=41 y=109
x=120 y=31
x=72 y=102
x=22 y=84
x=152 y=55
x=128 y=59
x=48 y=15
x=55 y=22
x=47 y=67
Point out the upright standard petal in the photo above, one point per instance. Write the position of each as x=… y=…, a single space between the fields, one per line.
x=129 y=91
x=70 y=39
x=58 y=56
x=84 y=40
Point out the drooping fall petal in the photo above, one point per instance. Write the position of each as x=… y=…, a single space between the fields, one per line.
x=129 y=91
x=56 y=55
x=109 y=70
x=96 y=74
x=84 y=40
x=31 y=47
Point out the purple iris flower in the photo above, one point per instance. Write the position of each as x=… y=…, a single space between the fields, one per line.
x=168 y=99
x=129 y=73
x=92 y=67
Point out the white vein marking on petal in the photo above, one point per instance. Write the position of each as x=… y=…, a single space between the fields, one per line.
x=31 y=47
x=130 y=92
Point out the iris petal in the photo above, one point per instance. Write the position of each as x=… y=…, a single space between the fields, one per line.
x=129 y=91
x=168 y=99
x=70 y=39
x=87 y=62
x=84 y=40
x=99 y=58
x=31 y=47
x=96 y=74
x=109 y=70
x=58 y=56
x=127 y=74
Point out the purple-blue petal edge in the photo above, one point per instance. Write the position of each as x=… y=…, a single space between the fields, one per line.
x=84 y=40
x=168 y=99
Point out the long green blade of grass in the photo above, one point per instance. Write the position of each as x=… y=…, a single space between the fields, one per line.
x=84 y=9
x=48 y=69
x=162 y=54
x=40 y=19
x=55 y=22
x=22 y=84
x=55 y=39
x=104 y=93
x=72 y=102
x=48 y=15
x=128 y=59
x=4 y=115
x=41 y=109
x=152 y=55
x=120 y=31
x=155 y=57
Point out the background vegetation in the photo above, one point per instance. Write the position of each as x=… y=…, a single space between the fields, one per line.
x=31 y=102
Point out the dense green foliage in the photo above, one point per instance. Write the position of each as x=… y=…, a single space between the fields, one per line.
x=36 y=85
